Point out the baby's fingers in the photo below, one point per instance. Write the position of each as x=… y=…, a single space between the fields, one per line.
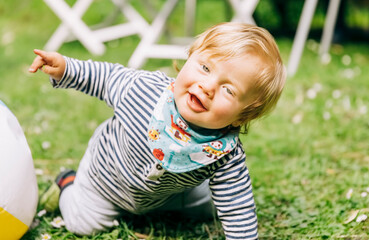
x=51 y=63
x=52 y=71
x=37 y=63
x=43 y=58
x=48 y=57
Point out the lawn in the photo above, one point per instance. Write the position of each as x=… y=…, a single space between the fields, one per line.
x=308 y=160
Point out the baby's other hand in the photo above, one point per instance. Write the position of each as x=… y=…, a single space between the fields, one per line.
x=51 y=63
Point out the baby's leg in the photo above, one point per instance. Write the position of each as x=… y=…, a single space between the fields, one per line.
x=84 y=210
x=198 y=202
x=194 y=203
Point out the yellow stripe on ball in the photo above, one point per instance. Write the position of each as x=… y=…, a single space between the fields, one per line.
x=10 y=226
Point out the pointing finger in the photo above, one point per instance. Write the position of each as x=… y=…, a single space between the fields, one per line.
x=37 y=63
x=44 y=55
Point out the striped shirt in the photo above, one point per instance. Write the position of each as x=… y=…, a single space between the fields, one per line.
x=122 y=159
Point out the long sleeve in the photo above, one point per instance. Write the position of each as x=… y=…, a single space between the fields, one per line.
x=105 y=81
x=233 y=198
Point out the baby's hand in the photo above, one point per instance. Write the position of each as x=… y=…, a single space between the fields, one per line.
x=51 y=63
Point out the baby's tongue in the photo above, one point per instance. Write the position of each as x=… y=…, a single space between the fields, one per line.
x=197 y=102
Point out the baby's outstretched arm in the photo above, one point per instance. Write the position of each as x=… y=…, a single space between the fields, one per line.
x=51 y=63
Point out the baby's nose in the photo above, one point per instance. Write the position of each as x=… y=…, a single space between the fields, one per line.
x=208 y=88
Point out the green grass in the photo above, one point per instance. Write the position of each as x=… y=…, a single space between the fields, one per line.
x=303 y=158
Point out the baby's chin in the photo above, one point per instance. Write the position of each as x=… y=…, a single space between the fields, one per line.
x=200 y=125
x=196 y=121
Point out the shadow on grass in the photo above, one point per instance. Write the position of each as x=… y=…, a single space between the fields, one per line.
x=162 y=225
x=172 y=225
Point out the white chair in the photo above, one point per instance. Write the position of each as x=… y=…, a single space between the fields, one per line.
x=73 y=27
x=148 y=47
x=244 y=9
x=303 y=30
x=329 y=25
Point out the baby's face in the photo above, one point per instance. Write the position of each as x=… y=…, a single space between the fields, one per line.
x=211 y=93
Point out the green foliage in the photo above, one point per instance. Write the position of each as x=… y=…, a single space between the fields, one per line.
x=303 y=158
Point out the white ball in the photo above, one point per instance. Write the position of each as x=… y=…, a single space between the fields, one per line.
x=18 y=185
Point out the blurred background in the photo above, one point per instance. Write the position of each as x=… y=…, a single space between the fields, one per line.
x=309 y=159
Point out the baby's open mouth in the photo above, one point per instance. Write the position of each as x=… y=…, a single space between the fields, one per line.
x=196 y=104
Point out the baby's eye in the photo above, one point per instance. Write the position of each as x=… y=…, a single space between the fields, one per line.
x=229 y=91
x=205 y=68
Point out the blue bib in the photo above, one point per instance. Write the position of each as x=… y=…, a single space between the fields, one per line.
x=176 y=146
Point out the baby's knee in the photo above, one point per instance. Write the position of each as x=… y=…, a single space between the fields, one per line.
x=80 y=217
x=82 y=227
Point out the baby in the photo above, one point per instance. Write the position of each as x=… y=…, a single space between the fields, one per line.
x=172 y=144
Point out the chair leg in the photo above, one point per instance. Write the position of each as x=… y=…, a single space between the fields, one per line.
x=244 y=10
x=76 y=26
x=62 y=33
x=141 y=25
x=301 y=35
x=73 y=28
x=139 y=56
x=329 y=25
x=190 y=14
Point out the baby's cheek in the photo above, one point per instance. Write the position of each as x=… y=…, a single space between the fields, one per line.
x=225 y=109
x=227 y=112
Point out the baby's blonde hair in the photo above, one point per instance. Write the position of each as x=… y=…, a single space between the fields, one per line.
x=228 y=40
